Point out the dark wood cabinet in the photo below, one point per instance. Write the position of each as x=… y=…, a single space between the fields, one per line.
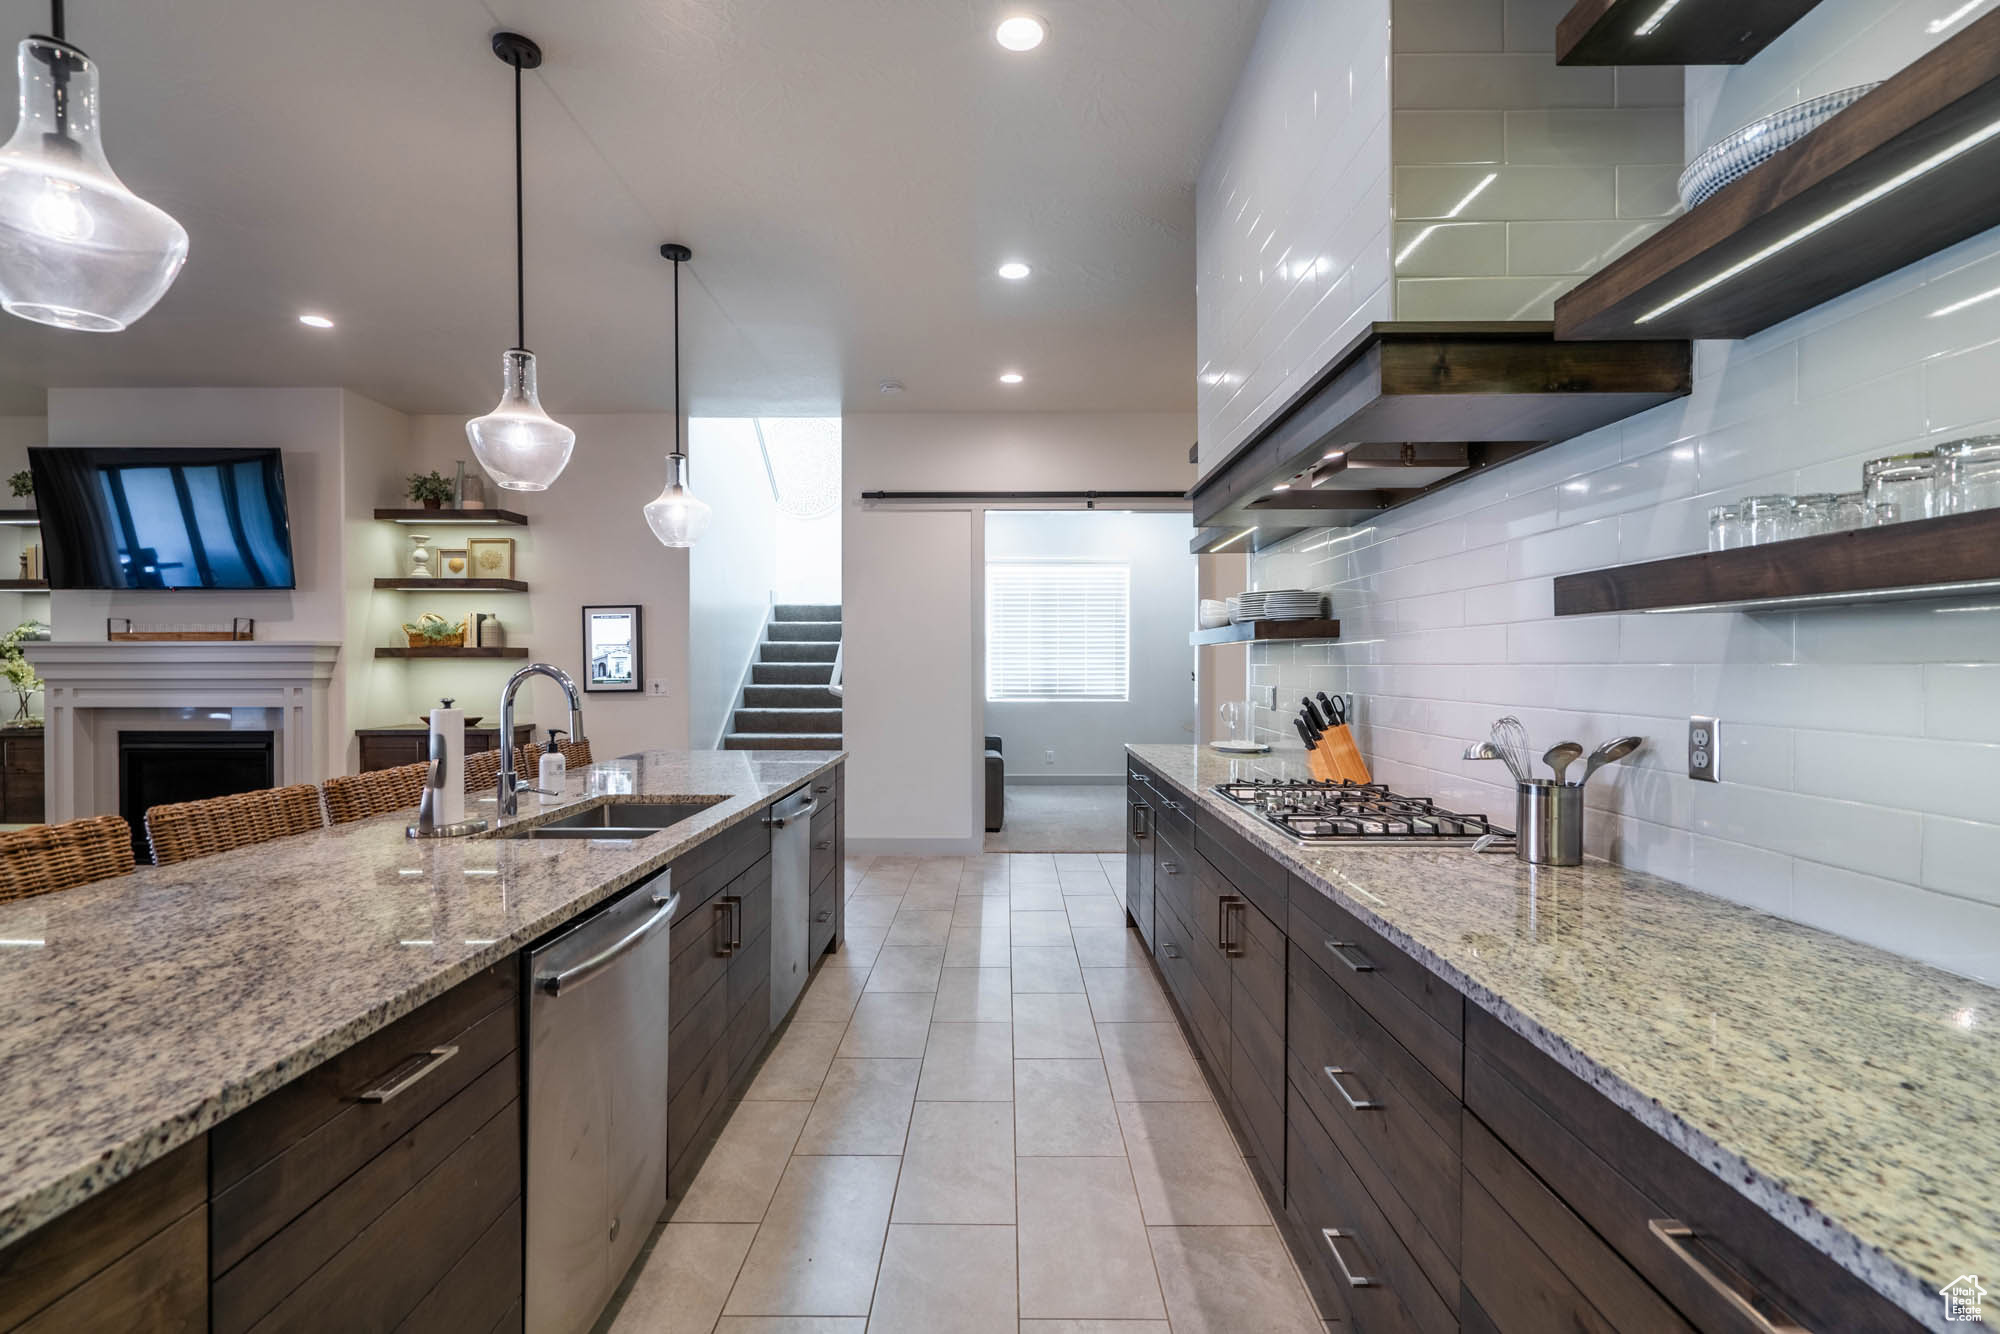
x=21 y=781
x=1141 y=861
x=389 y=747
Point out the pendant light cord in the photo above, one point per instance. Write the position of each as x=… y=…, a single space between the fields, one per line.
x=520 y=227
x=57 y=28
x=678 y=449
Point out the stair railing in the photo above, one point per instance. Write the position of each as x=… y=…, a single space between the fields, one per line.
x=839 y=652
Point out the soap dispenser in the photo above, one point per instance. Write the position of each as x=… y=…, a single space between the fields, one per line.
x=553 y=768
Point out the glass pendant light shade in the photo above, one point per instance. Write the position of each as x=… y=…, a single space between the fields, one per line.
x=521 y=447
x=676 y=516
x=77 y=249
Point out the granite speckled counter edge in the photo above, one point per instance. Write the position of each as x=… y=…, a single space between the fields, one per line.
x=32 y=1198
x=1759 y=1177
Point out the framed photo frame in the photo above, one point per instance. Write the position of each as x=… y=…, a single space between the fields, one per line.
x=453 y=563
x=489 y=557
x=613 y=649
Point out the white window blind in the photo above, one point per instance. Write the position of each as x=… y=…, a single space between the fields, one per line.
x=1057 y=631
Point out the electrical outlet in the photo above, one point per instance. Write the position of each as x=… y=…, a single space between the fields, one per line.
x=1048 y=757
x=1704 y=749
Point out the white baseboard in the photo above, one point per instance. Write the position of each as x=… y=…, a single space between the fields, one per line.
x=916 y=847
x=1066 y=780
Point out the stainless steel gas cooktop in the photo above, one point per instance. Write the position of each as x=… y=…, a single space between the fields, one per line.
x=1317 y=814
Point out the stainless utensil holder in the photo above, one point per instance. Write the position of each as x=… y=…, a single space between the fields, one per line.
x=1548 y=820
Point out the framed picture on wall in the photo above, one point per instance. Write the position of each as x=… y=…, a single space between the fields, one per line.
x=490 y=557
x=612 y=649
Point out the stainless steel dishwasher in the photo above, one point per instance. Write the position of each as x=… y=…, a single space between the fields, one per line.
x=597 y=1104
x=791 y=889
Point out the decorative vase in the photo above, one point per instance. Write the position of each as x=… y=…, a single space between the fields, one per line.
x=420 y=557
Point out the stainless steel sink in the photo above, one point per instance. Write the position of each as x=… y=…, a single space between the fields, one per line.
x=614 y=819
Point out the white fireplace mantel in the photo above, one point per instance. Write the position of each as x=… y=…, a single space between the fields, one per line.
x=293 y=680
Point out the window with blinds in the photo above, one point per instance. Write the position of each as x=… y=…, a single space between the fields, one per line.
x=1057 y=631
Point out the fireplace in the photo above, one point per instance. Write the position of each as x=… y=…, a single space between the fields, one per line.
x=155 y=768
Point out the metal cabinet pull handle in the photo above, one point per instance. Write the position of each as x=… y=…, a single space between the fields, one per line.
x=1675 y=1235
x=824 y=845
x=1354 y=1280
x=1343 y=949
x=825 y=915
x=821 y=788
x=1140 y=810
x=1224 y=941
x=1362 y=1104
x=727 y=946
x=408 y=1073
x=1171 y=868
x=736 y=920
x=1171 y=950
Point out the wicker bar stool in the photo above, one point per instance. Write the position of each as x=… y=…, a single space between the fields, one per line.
x=47 y=857
x=185 y=829
x=357 y=796
x=482 y=770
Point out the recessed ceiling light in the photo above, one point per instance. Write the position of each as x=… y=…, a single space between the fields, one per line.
x=1020 y=33
x=1014 y=270
x=316 y=321
x=1010 y=377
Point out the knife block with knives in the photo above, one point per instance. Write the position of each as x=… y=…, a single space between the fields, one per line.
x=1331 y=755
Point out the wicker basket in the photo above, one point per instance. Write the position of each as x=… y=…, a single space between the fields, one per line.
x=454 y=640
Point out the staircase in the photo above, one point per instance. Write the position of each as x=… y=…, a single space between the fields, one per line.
x=787 y=704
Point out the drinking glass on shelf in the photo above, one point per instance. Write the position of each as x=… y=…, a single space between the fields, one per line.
x=1969 y=474
x=1768 y=518
x=1902 y=487
x=1725 y=528
x=1850 y=510
x=1813 y=514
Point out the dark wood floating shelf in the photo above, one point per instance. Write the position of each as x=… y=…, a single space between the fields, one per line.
x=1246 y=632
x=443 y=518
x=1693 y=32
x=451 y=653
x=1927 y=558
x=1407 y=408
x=25 y=585
x=19 y=518
x=454 y=585
x=1909 y=169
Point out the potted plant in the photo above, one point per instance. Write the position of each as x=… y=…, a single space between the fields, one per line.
x=22 y=484
x=431 y=630
x=430 y=490
x=18 y=672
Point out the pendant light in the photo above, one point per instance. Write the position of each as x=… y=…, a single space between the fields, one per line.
x=77 y=249
x=521 y=447
x=676 y=517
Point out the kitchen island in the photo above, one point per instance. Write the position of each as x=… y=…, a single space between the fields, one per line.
x=145 y=1012
x=1637 y=1079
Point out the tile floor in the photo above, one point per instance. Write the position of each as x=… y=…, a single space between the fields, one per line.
x=982 y=1117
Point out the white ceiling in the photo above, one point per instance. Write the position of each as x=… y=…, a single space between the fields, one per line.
x=848 y=172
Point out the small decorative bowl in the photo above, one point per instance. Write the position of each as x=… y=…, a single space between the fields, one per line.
x=1735 y=155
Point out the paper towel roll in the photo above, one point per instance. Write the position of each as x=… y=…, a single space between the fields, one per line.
x=448 y=726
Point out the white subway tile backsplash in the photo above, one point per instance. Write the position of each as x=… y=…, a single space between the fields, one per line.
x=1571 y=247
x=1531 y=24
x=1648 y=191
x=1871 y=839
x=1451 y=248
x=1956 y=933
x=1479 y=298
x=1595 y=137
x=1649 y=86
x=1958 y=779
x=1432 y=193
x=1755 y=877
x=1509 y=81
x=1880 y=700
x=1449 y=136
x=1447 y=25
x=1962 y=857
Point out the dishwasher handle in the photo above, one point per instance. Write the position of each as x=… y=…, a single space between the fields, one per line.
x=554 y=983
x=776 y=821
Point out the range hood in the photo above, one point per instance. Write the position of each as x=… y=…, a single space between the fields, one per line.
x=1407 y=408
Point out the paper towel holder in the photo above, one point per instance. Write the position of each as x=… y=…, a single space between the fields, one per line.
x=427 y=825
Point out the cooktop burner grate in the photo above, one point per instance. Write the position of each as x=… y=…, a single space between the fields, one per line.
x=1318 y=814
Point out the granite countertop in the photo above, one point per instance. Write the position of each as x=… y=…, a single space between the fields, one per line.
x=1846 y=1090
x=143 y=1010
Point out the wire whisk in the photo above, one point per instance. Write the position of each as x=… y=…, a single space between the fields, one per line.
x=1510 y=738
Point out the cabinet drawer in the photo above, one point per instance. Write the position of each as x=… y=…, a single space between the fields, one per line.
x=1323 y=1194
x=1259 y=1105
x=1248 y=870
x=1623 y=1180
x=700 y=941
x=1407 y=999
x=702 y=1083
x=22 y=757
x=278 y=1157
x=1402 y=1137
x=1174 y=812
x=1173 y=878
x=825 y=841
x=1170 y=953
x=481 y=1288
x=827 y=787
x=1533 y=1265
x=819 y=930
x=695 y=1029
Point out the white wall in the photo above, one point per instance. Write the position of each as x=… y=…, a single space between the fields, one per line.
x=808 y=559
x=586 y=542
x=730 y=571
x=911 y=583
x=1088 y=737
x=1861 y=755
x=1221 y=670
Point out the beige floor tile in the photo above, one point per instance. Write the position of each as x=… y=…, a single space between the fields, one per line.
x=1126 y=996
x=1084 y=1327
x=1187 y=1167
x=1046 y=968
x=1040 y=928
x=983 y=883
x=864 y=1107
x=735 y=1182
x=924 y=897
x=1082 y=881
x=1083 y=1249
x=1053 y=1027
x=985 y=911
x=906 y=968
x=857 y=950
x=879 y=882
x=872 y=914
x=938 y=870
x=1043 y=896
x=978 y=947
x=958 y=1165
x=821 y=1241
x=1026 y=866
x=968 y=1063
x=937 y=1279
x=1231 y=1280
x=1086 y=910
x=684 y=1279
x=1064 y=1109
x=829 y=998
x=918 y=926
x=889 y=1023
x=793 y=1324
x=1108 y=947
x=968 y=994
x=1150 y=1063
x=795 y=1066
x=1075 y=861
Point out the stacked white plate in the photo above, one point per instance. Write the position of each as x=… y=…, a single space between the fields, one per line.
x=1277 y=604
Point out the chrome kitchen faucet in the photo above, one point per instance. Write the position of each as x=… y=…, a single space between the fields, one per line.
x=510 y=786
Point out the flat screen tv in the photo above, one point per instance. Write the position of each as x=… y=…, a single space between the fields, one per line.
x=163 y=518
